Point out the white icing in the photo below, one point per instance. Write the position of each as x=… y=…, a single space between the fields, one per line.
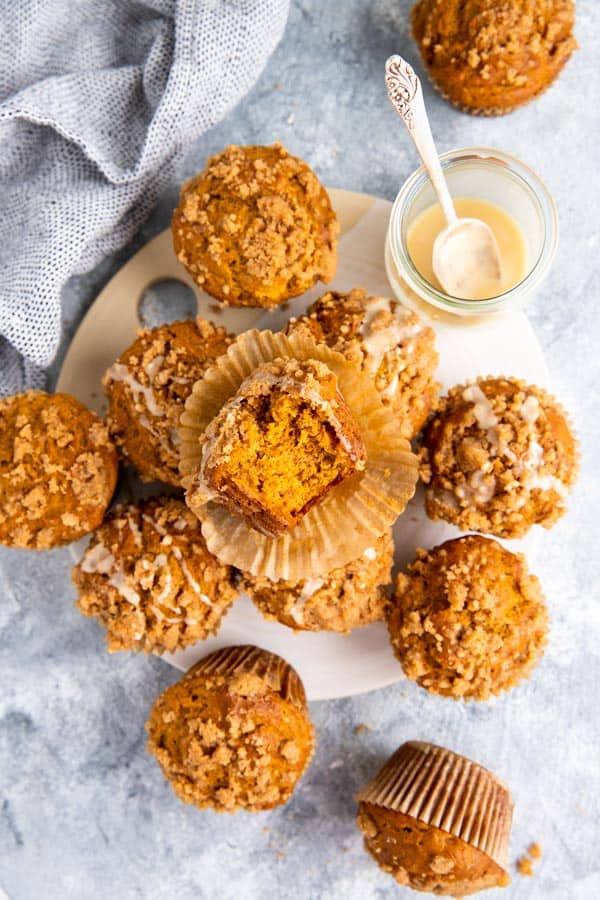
x=180 y=524
x=530 y=410
x=153 y=366
x=98 y=559
x=119 y=581
x=134 y=528
x=482 y=408
x=155 y=525
x=309 y=588
x=478 y=489
x=532 y=462
x=370 y=553
x=189 y=577
x=120 y=372
x=377 y=342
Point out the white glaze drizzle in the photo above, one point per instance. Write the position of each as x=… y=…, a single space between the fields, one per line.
x=120 y=372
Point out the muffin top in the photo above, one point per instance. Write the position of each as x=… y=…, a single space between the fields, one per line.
x=234 y=733
x=498 y=456
x=147 y=388
x=467 y=619
x=149 y=579
x=487 y=57
x=58 y=470
x=353 y=595
x=278 y=445
x=256 y=227
x=385 y=339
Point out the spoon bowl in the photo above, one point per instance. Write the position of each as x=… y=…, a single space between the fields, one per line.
x=466 y=260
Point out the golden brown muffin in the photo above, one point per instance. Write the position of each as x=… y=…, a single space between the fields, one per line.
x=488 y=58
x=437 y=821
x=384 y=339
x=355 y=594
x=149 y=579
x=498 y=457
x=58 y=470
x=235 y=732
x=278 y=446
x=256 y=227
x=147 y=388
x=468 y=620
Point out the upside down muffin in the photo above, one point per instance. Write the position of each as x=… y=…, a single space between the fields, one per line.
x=235 y=732
x=498 y=456
x=468 y=620
x=149 y=579
x=353 y=595
x=278 y=445
x=436 y=821
x=256 y=227
x=147 y=388
x=384 y=339
x=58 y=470
x=488 y=58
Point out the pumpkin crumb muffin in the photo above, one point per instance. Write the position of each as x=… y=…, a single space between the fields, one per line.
x=498 y=456
x=437 y=822
x=278 y=445
x=467 y=620
x=256 y=227
x=147 y=388
x=348 y=597
x=488 y=58
x=149 y=579
x=384 y=339
x=235 y=732
x=58 y=470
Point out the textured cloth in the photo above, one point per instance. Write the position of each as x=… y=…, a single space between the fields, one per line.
x=98 y=99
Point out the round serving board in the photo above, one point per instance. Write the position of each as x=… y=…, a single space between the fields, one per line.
x=330 y=665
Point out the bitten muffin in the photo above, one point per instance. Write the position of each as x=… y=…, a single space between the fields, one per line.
x=353 y=595
x=498 y=457
x=235 y=732
x=467 y=620
x=384 y=339
x=278 y=446
x=147 y=388
x=149 y=579
x=256 y=227
x=437 y=821
x=58 y=470
x=488 y=58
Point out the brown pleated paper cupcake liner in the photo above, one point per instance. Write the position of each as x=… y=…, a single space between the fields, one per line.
x=247 y=659
x=448 y=791
x=367 y=503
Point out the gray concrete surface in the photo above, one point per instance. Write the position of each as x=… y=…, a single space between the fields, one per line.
x=84 y=812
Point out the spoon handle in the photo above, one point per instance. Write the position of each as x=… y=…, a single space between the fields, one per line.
x=406 y=95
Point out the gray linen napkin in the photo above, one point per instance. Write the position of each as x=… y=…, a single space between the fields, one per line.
x=98 y=99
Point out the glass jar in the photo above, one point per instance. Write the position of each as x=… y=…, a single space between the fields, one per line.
x=483 y=174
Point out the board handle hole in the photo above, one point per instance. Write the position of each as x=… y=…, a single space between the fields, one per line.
x=164 y=301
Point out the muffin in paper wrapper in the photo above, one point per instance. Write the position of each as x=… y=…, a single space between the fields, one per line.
x=353 y=513
x=247 y=659
x=448 y=791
